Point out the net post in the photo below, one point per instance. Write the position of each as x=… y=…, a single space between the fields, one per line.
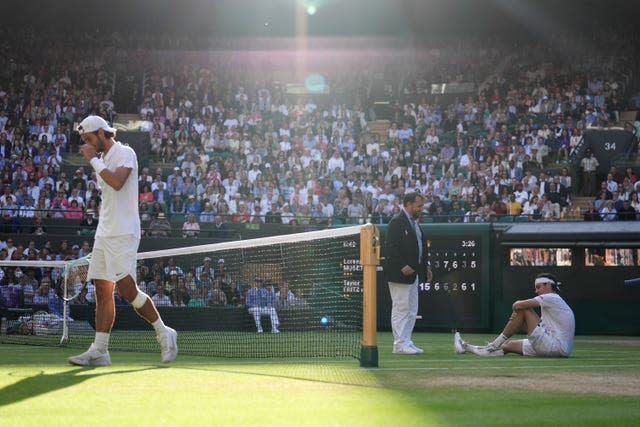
x=369 y=258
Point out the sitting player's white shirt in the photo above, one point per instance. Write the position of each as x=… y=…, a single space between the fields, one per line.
x=558 y=319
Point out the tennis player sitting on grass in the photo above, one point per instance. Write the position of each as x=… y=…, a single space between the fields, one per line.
x=550 y=335
x=116 y=242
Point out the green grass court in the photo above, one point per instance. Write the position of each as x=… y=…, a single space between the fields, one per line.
x=598 y=386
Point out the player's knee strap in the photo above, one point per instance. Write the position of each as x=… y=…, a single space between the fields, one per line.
x=139 y=300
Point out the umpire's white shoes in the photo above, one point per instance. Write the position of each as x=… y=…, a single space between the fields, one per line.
x=91 y=357
x=416 y=348
x=404 y=349
x=168 y=345
x=458 y=343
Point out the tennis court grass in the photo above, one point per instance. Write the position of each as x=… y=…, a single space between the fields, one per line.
x=598 y=386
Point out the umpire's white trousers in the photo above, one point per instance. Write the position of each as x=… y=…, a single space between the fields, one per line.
x=258 y=312
x=404 y=309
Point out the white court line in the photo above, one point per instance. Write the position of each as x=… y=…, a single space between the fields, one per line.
x=466 y=368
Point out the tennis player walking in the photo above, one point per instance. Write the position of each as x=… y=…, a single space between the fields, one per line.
x=116 y=242
x=405 y=268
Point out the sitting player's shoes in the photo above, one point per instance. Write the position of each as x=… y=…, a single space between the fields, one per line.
x=91 y=357
x=458 y=344
x=168 y=345
x=260 y=330
x=486 y=350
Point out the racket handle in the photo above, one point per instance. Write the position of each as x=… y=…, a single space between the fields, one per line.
x=632 y=282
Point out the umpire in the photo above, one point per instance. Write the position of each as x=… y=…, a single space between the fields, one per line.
x=405 y=267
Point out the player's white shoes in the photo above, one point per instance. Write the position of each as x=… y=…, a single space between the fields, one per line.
x=275 y=331
x=458 y=344
x=91 y=357
x=460 y=347
x=485 y=350
x=168 y=345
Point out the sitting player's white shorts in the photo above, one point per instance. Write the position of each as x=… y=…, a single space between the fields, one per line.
x=113 y=258
x=541 y=343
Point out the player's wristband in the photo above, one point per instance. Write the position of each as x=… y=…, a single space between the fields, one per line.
x=98 y=165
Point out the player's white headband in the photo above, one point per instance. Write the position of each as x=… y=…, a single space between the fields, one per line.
x=543 y=280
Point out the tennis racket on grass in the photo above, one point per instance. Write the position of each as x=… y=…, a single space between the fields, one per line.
x=74 y=281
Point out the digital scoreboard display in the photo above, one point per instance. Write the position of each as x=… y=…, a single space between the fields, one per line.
x=458 y=295
x=455 y=297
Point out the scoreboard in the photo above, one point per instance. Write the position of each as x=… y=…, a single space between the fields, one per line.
x=458 y=295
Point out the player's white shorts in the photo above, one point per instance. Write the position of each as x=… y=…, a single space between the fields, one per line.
x=113 y=258
x=541 y=343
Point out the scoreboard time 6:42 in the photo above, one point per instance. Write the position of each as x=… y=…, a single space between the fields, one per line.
x=457 y=297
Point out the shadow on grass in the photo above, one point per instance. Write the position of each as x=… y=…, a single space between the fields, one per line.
x=42 y=383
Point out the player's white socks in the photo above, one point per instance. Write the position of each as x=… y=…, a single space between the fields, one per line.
x=497 y=343
x=101 y=342
x=159 y=326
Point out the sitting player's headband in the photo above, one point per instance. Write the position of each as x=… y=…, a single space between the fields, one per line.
x=543 y=280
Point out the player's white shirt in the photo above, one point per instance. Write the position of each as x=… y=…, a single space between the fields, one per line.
x=119 y=209
x=558 y=318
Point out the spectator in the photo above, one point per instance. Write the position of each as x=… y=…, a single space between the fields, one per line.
x=608 y=211
x=456 y=214
x=627 y=212
x=160 y=298
x=74 y=211
x=161 y=195
x=179 y=294
x=85 y=249
x=206 y=267
x=27 y=210
x=261 y=302
x=199 y=299
x=285 y=296
x=159 y=226
x=89 y=224
x=9 y=224
x=38 y=228
x=208 y=213
x=220 y=228
x=589 y=165
x=635 y=202
x=192 y=206
x=177 y=207
x=221 y=268
x=190 y=228
x=234 y=295
x=146 y=195
x=242 y=216
x=42 y=294
x=216 y=296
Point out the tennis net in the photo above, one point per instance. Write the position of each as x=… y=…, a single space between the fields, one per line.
x=297 y=295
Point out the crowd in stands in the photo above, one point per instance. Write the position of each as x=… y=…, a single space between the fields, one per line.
x=240 y=149
x=169 y=284
x=212 y=284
